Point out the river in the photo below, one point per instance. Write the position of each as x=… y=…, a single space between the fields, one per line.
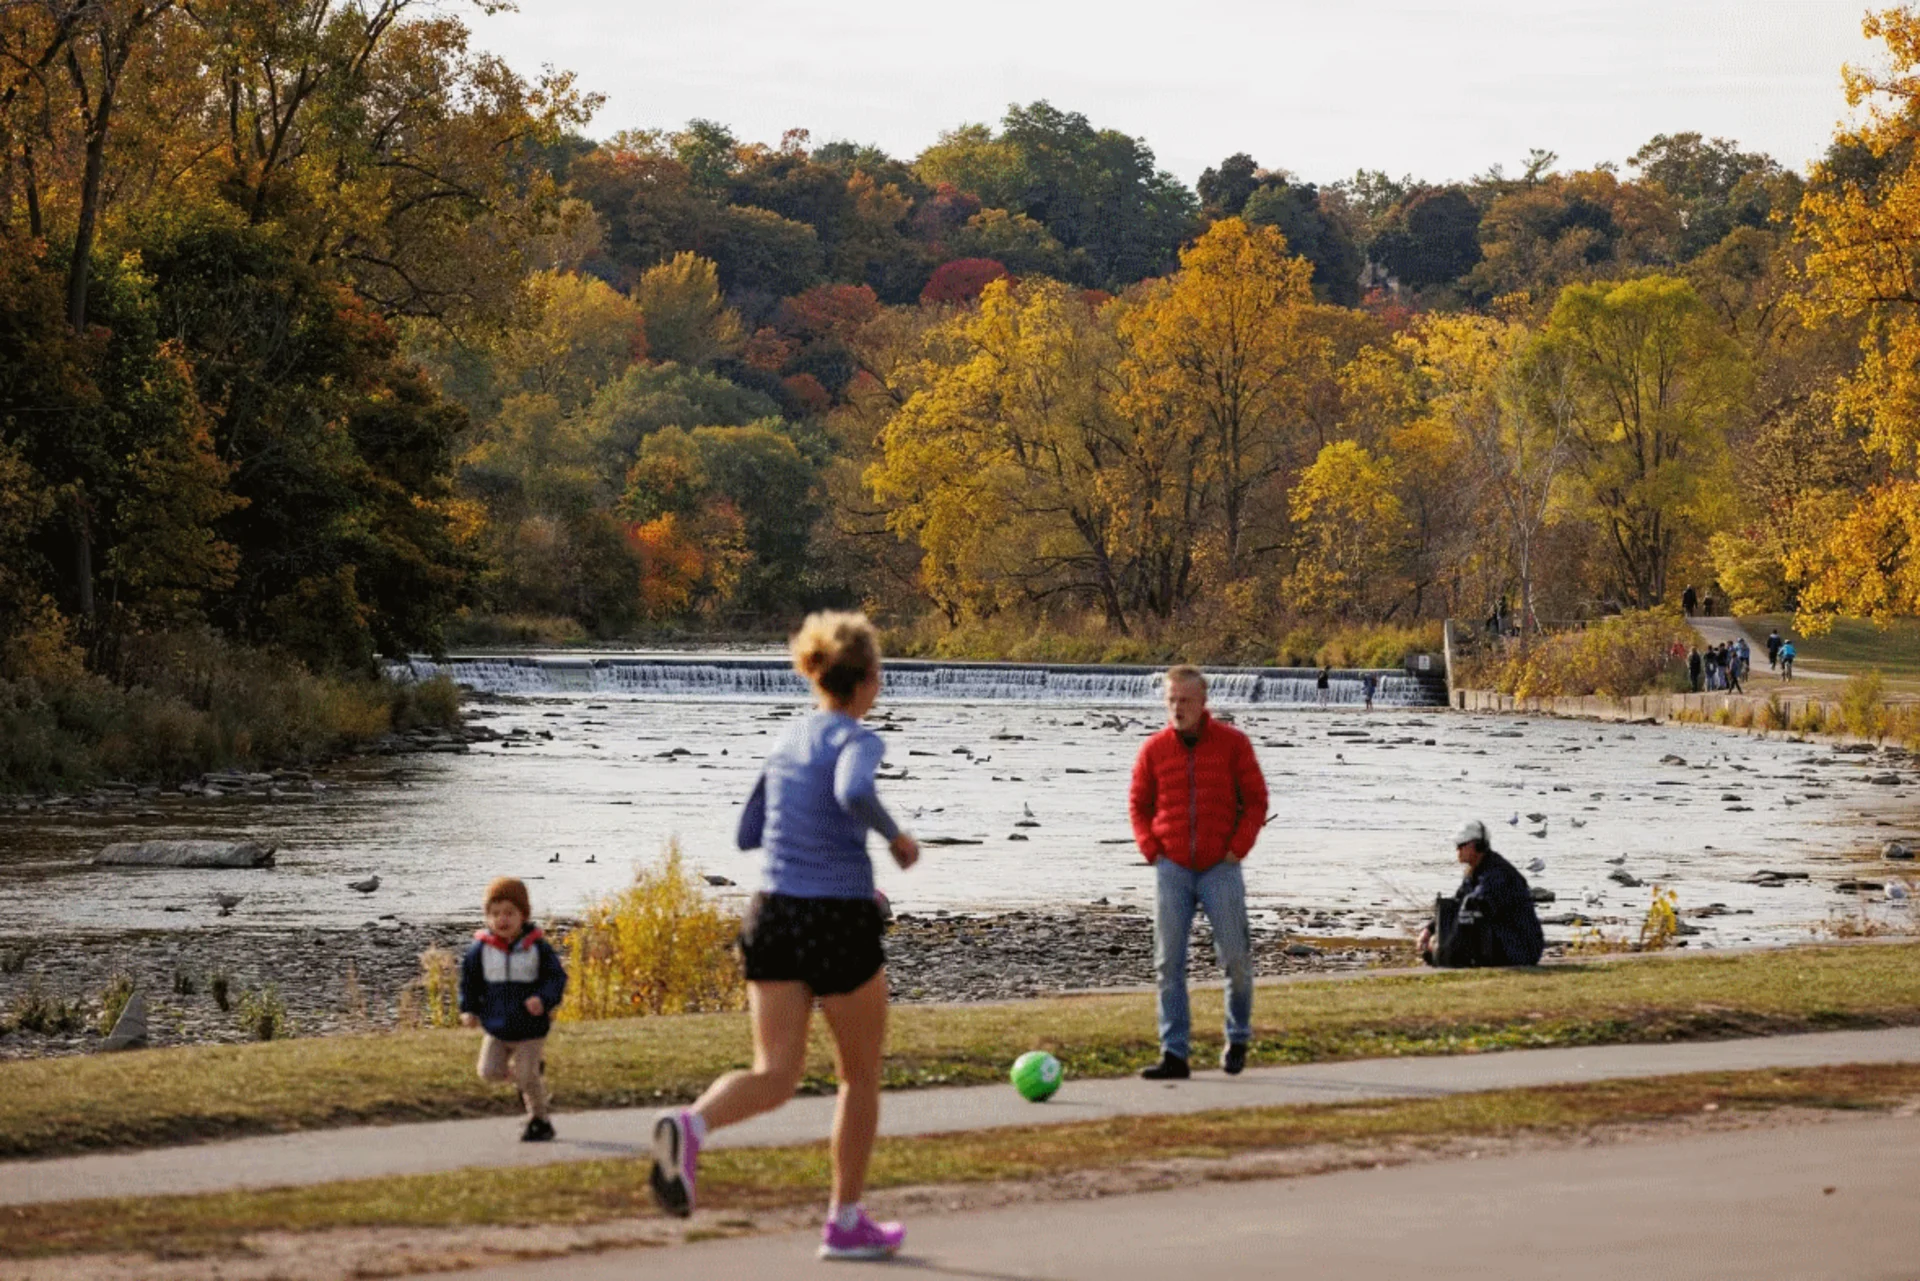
x=587 y=782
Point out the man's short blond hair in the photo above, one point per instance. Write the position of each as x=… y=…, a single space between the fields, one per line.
x=1186 y=673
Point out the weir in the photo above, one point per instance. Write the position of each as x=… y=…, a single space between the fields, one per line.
x=915 y=680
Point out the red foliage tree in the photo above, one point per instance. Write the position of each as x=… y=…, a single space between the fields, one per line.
x=806 y=393
x=961 y=280
x=828 y=309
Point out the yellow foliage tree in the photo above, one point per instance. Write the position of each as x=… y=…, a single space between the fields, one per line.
x=1007 y=463
x=1226 y=345
x=1861 y=219
x=570 y=336
x=1351 y=528
x=686 y=318
x=1507 y=400
x=1657 y=382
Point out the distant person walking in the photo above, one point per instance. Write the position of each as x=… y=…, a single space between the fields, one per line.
x=1773 y=649
x=1732 y=662
x=1689 y=601
x=1746 y=657
x=1368 y=683
x=1322 y=685
x=1198 y=801
x=1787 y=653
x=812 y=936
x=1695 y=669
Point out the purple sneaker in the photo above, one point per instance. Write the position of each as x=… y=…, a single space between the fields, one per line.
x=675 y=1151
x=864 y=1240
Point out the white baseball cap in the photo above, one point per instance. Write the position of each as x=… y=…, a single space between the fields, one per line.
x=1471 y=830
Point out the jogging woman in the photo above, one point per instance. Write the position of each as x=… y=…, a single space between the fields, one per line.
x=813 y=934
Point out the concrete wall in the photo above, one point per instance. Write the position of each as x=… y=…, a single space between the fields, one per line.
x=1641 y=707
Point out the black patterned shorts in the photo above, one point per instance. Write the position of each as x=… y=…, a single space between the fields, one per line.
x=830 y=944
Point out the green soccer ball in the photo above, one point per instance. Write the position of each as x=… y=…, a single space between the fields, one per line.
x=1036 y=1074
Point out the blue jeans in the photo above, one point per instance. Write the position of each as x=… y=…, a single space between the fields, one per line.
x=1221 y=892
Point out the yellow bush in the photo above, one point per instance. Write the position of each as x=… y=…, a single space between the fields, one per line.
x=1631 y=653
x=1811 y=719
x=660 y=946
x=1863 y=705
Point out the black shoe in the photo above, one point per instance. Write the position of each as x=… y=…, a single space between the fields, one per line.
x=1233 y=1058
x=1171 y=1067
x=538 y=1130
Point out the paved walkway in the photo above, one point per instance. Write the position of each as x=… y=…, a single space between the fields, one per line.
x=324 y=1156
x=1829 y=1202
x=1719 y=630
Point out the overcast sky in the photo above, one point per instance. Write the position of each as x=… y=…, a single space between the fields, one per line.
x=1438 y=90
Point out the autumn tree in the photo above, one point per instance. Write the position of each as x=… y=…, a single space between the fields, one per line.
x=1224 y=342
x=685 y=318
x=1007 y=463
x=1096 y=191
x=1510 y=400
x=1349 y=528
x=1657 y=383
x=1860 y=220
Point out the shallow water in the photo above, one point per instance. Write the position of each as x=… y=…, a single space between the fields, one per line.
x=1363 y=805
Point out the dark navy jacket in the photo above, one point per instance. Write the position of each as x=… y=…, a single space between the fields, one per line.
x=1497 y=922
x=497 y=978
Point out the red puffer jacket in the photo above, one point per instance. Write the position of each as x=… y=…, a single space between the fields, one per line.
x=1196 y=805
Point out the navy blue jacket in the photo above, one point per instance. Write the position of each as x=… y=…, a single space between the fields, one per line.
x=1497 y=921
x=497 y=978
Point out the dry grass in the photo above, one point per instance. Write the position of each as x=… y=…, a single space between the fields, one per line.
x=151 y=1097
x=752 y=1179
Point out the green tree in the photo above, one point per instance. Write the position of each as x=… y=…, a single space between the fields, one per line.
x=1095 y=190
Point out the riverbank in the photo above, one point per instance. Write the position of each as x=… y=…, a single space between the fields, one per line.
x=333 y=982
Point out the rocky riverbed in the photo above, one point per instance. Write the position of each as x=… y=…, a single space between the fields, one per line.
x=332 y=981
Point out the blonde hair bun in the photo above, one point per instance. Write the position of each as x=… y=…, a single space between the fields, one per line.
x=837 y=651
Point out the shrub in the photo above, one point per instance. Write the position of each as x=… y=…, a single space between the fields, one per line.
x=263 y=1015
x=1632 y=653
x=433 y=703
x=220 y=988
x=35 y=1011
x=1863 y=705
x=434 y=998
x=660 y=946
x=1662 y=921
x=1386 y=645
x=1811 y=719
x=173 y=705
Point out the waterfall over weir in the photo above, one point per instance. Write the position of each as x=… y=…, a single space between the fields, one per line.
x=910 y=680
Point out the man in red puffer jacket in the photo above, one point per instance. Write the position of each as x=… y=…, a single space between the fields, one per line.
x=1198 y=802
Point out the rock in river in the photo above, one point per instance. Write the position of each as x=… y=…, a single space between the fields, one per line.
x=186 y=854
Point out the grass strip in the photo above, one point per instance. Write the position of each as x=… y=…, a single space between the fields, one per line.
x=762 y=1178
x=155 y=1097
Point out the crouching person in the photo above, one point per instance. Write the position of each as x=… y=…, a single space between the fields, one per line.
x=511 y=981
x=1490 y=919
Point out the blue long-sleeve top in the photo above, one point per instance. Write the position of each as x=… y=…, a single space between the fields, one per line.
x=813 y=806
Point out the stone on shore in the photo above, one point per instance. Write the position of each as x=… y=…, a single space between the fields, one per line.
x=223 y=854
x=130 y=1029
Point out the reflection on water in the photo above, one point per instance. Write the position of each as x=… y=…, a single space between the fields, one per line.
x=1362 y=807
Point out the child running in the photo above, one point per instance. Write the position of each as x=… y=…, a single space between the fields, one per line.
x=814 y=933
x=511 y=982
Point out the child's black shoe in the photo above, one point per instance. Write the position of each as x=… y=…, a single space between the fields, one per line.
x=538 y=1130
